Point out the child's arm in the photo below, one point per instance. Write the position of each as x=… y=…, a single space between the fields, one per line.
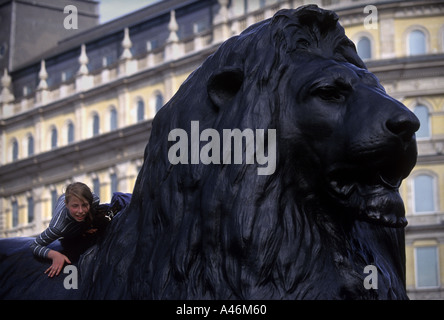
x=53 y=232
x=48 y=236
x=40 y=249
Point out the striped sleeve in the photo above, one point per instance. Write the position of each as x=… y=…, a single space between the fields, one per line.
x=39 y=246
x=52 y=233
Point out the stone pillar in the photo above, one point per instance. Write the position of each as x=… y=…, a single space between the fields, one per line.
x=42 y=94
x=6 y=97
x=84 y=80
x=221 y=31
x=80 y=127
x=123 y=107
x=38 y=130
x=172 y=48
x=127 y=65
x=387 y=36
x=126 y=45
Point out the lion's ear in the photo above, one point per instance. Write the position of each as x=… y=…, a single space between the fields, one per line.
x=223 y=87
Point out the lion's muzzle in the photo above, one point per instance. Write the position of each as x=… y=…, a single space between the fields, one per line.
x=374 y=150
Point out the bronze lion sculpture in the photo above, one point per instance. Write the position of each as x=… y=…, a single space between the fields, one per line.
x=307 y=229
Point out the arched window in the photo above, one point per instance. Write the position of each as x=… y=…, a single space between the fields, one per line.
x=424 y=193
x=70 y=133
x=140 y=110
x=159 y=101
x=30 y=145
x=422 y=112
x=54 y=138
x=15 y=150
x=364 y=48
x=96 y=124
x=417 y=42
x=113 y=119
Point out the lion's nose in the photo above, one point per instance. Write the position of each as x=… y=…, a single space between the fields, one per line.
x=404 y=125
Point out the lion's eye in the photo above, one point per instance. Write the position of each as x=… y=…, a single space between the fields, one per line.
x=329 y=93
x=303 y=43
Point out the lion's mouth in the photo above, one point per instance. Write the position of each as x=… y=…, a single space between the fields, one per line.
x=372 y=193
x=344 y=181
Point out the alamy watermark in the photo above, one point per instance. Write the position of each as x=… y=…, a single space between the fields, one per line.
x=71 y=20
x=371 y=20
x=71 y=281
x=233 y=150
x=371 y=281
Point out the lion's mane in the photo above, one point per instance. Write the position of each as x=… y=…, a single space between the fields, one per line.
x=223 y=231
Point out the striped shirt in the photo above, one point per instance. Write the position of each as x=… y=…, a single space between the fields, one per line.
x=62 y=225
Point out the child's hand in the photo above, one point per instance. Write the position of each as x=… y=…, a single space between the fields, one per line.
x=58 y=260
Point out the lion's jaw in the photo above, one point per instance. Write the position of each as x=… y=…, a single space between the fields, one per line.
x=371 y=194
x=364 y=142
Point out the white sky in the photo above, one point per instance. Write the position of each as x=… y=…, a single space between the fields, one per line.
x=112 y=9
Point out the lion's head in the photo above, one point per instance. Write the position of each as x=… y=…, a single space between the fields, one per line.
x=308 y=230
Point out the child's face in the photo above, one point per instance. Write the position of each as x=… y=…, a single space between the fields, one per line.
x=77 y=208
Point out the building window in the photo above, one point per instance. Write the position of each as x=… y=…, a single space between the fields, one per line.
x=140 y=110
x=15 y=213
x=114 y=183
x=30 y=145
x=200 y=26
x=416 y=42
x=108 y=60
x=54 y=138
x=3 y=49
x=152 y=45
x=422 y=113
x=54 y=198
x=96 y=186
x=424 y=193
x=30 y=209
x=427 y=273
x=364 y=48
x=96 y=124
x=113 y=119
x=159 y=101
x=70 y=133
x=15 y=150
